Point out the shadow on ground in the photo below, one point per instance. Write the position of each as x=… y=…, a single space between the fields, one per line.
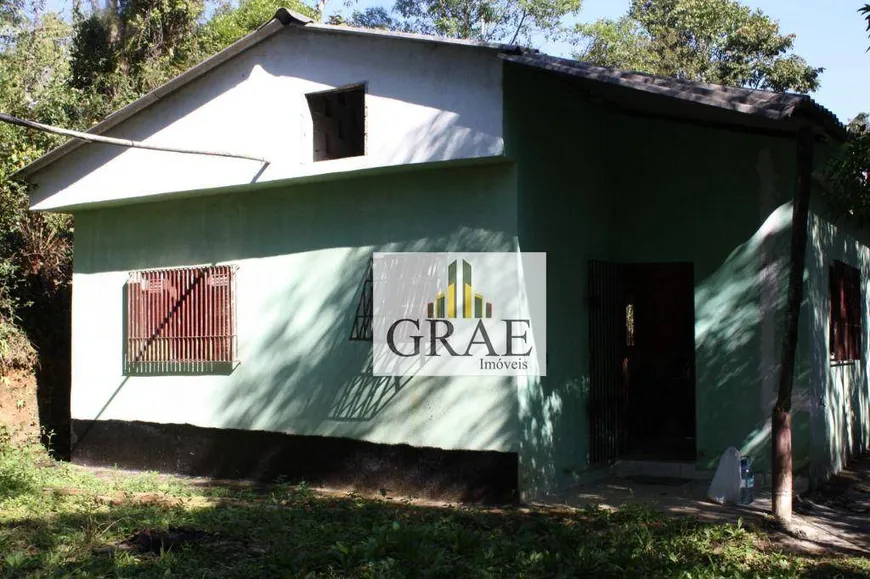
x=831 y=520
x=295 y=531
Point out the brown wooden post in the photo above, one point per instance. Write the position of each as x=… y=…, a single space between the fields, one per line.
x=781 y=416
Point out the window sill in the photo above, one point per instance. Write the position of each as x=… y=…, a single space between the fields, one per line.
x=180 y=368
x=838 y=363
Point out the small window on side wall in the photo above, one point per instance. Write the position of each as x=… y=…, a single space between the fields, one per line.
x=181 y=321
x=846 y=313
x=338 y=120
x=362 y=323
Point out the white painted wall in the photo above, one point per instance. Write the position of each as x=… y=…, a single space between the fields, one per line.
x=425 y=102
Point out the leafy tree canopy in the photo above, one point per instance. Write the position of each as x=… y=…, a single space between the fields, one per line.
x=487 y=20
x=229 y=22
x=34 y=69
x=847 y=173
x=127 y=47
x=865 y=11
x=716 y=41
x=11 y=17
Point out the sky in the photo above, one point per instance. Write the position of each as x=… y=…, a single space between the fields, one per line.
x=830 y=34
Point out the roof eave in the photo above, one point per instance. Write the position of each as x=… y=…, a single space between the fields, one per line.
x=504 y=48
x=787 y=110
x=820 y=118
x=290 y=17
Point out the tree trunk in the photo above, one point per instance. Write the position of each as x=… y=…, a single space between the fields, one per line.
x=781 y=416
x=782 y=464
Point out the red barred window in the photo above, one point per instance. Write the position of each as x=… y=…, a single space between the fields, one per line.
x=846 y=316
x=181 y=320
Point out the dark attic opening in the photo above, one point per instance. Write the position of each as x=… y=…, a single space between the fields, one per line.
x=338 y=119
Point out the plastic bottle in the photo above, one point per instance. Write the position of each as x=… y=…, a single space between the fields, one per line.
x=747 y=481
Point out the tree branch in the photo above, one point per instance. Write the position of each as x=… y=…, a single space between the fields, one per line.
x=519 y=27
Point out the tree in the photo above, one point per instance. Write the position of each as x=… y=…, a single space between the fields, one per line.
x=33 y=82
x=124 y=49
x=715 y=41
x=865 y=11
x=847 y=173
x=11 y=17
x=229 y=23
x=376 y=17
x=486 y=20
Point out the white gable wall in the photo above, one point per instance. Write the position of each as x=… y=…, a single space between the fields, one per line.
x=425 y=102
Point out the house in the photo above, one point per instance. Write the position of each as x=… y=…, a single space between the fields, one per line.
x=664 y=208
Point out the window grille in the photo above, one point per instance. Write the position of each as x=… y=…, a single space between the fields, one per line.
x=846 y=316
x=181 y=320
x=362 y=323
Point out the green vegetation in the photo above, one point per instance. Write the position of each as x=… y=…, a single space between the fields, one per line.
x=488 y=20
x=73 y=73
x=229 y=23
x=845 y=174
x=715 y=41
x=56 y=519
x=865 y=12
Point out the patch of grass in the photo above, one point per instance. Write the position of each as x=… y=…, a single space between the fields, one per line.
x=58 y=520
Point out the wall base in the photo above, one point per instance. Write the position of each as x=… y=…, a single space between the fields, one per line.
x=455 y=475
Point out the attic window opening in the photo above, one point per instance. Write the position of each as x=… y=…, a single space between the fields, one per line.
x=338 y=119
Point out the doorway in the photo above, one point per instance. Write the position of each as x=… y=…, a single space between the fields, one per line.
x=642 y=346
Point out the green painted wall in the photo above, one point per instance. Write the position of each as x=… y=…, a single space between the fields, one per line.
x=587 y=184
x=565 y=210
x=302 y=253
x=720 y=200
x=596 y=184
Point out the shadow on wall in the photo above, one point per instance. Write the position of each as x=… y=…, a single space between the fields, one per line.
x=550 y=410
x=829 y=404
x=304 y=376
x=300 y=373
x=738 y=332
x=461 y=127
x=467 y=125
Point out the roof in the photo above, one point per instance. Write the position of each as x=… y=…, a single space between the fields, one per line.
x=746 y=103
x=765 y=104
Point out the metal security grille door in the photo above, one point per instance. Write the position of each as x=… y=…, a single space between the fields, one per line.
x=642 y=361
x=607 y=335
x=180 y=320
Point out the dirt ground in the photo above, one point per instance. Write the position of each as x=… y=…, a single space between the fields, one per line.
x=19 y=410
x=831 y=520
